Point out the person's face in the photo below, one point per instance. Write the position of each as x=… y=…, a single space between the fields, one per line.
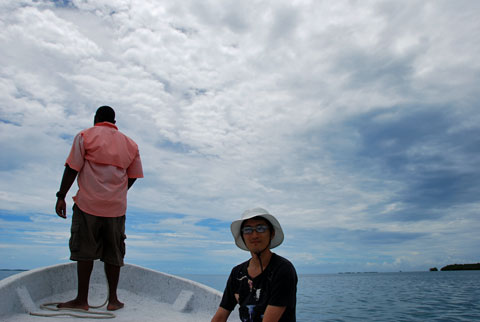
x=255 y=241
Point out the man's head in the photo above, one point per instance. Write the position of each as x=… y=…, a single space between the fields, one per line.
x=104 y=114
x=256 y=230
x=257 y=233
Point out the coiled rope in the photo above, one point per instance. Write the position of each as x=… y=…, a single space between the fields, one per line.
x=85 y=314
x=68 y=311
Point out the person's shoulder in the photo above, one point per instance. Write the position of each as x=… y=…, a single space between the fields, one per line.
x=240 y=268
x=87 y=130
x=282 y=269
x=282 y=262
x=128 y=139
x=280 y=259
x=80 y=135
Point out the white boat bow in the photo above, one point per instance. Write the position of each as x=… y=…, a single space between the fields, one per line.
x=148 y=295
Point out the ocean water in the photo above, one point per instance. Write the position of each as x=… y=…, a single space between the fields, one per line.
x=7 y=273
x=409 y=296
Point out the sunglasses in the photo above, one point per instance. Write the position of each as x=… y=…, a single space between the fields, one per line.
x=259 y=229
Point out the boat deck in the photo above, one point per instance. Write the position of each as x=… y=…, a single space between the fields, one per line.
x=148 y=295
x=138 y=307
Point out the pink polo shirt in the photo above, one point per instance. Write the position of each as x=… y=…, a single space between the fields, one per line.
x=105 y=158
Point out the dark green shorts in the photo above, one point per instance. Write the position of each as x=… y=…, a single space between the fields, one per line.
x=94 y=237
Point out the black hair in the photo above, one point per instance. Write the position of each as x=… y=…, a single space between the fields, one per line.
x=105 y=114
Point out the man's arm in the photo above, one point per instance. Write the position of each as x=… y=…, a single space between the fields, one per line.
x=221 y=315
x=131 y=181
x=273 y=313
x=68 y=178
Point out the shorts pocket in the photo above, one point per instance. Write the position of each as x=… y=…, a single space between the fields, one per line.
x=122 y=244
x=74 y=242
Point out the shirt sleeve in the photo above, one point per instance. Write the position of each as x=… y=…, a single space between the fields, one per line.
x=135 y=169
x=228 y=299
x=76 y=158
x=284 y=286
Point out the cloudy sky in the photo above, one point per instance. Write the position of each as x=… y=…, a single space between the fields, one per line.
x=356 y=123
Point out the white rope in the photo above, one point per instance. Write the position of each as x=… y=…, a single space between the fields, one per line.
x=85 y=313
x=99 y=306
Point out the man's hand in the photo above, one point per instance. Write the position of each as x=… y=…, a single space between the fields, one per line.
x=61 y=208
x=68 y=178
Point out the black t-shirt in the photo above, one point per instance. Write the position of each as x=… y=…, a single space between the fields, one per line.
x=276 y=285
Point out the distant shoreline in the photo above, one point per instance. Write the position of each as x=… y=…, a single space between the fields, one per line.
x=461 y=267
x=458 y=267
x=12 y=270
x=357 y=273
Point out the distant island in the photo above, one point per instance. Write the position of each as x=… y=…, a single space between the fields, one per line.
x=461 y=267
x=458 y=267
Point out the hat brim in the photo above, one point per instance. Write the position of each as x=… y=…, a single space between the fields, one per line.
x=236 y=225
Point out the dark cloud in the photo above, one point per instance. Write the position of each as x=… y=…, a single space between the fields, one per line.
x=419 y=148
x=356 y=238
x=377 y=237
x=377 y=70
x=424 y=160
x=391 y=137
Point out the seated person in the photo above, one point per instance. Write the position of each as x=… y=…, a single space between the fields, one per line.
x=265 y=286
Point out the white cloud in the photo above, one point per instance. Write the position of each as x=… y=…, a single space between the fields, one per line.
x=301 y=107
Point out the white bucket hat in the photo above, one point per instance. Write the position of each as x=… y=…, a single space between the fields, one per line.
x=237 y=224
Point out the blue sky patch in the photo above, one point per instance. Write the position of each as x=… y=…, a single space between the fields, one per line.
x=214 y=224
x=63 y=3
x=14 y=216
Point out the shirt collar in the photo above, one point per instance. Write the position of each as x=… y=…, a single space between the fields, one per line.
x=107 y=124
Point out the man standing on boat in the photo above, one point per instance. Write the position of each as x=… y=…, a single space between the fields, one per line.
x=265 y=286
x=107 y=163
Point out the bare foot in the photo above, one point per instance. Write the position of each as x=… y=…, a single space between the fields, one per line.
x=73 y=304
x=115 y=305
